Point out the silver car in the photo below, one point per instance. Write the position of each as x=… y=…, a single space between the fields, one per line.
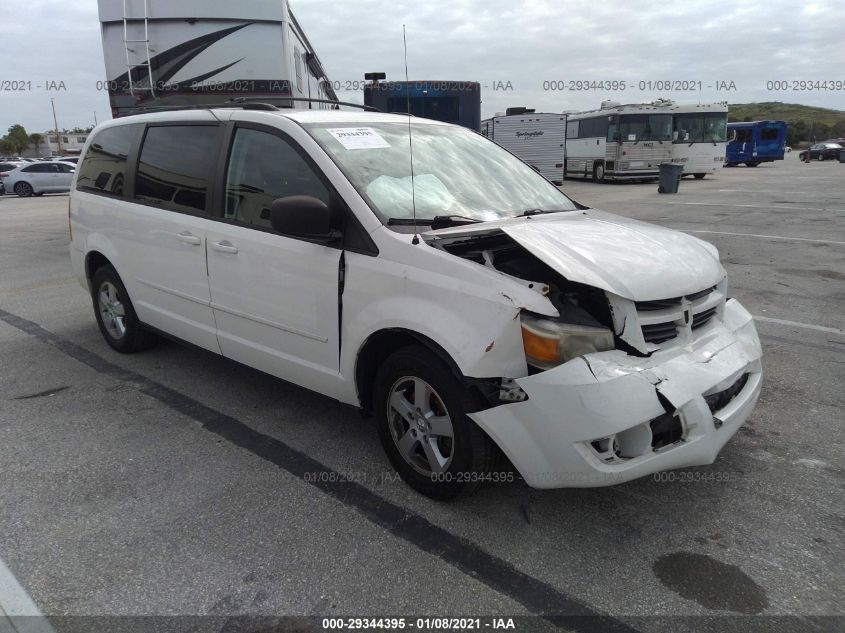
x=37 y=179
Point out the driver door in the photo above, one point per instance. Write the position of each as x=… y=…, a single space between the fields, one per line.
x=275 y=298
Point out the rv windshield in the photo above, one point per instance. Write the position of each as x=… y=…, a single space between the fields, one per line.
x=700 y=127
x=645 y=127
x=457 y=172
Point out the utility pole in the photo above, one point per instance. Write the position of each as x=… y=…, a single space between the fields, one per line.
x=95 y=118
x=56 y=123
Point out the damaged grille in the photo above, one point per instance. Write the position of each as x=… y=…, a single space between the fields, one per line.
x=718 y=401
x=661 y=319
x=660 y=332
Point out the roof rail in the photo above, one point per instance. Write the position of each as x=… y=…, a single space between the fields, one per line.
x=305 y=100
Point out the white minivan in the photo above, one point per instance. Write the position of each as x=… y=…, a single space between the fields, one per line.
x=488 y=322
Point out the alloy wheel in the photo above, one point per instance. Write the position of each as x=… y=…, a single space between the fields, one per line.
x=420 y=425
x=112 y=311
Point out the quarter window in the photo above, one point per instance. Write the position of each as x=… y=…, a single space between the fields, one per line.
x=175 y=166
x=103 y=169
x=262 y=168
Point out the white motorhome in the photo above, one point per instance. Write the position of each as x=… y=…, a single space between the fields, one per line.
x=538 y=138
x=699 y=137
x=619 y=142
x=162 y=53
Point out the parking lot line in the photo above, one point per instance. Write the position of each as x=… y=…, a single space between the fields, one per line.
x=750 y=206
x=806 y=326
x=768 y=237
x=537 y=596
x=17 y=610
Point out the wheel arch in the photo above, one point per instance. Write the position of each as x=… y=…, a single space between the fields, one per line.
x=381 y=344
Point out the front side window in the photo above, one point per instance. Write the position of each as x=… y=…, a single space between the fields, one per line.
x=262 y=168
x=103 y=168
x=456 y=171
x=645 y=127
x=175 y=165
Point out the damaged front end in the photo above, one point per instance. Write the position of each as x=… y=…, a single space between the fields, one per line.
x=617 y=387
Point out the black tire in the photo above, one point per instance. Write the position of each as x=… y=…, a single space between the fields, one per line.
x=134 y=338
x=751 y=164
x=23 y=189
x=699 y=176
x=821 y=157
x=473 y=454
x=598 y=172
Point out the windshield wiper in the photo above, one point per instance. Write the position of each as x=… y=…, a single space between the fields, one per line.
x=438 y=221
x=529 y=212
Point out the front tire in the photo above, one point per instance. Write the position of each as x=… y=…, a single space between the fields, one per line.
x=699 y=176
x=421 y=409
x=598 y=172
x=23 y=189
x=115 y=315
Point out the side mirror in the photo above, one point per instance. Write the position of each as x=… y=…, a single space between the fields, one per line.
x=304 y=217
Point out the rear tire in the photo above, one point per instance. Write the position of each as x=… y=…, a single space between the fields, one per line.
x=598 y=172
x=115 y=315
x=699 y=176
x=23 y=189
x=751 y=164
x=415 y=435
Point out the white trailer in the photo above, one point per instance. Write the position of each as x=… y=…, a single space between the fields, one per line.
x=699 y=137
x=538 y=138
x=166 y=53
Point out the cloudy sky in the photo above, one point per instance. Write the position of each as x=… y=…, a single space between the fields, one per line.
x=518 y=46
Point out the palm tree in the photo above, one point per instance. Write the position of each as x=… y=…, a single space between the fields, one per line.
x=36 y=139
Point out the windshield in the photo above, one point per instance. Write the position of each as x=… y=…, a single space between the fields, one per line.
x=456 y=172
x=700 y=127
x=645 y=127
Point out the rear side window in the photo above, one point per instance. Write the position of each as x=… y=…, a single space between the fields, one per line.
x=770 y=134
x=175 y=166
x=41 y=168
x=103 y=169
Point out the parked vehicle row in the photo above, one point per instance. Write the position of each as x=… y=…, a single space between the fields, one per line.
x=589 y=349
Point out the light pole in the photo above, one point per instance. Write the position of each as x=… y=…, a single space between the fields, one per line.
x=56 y=124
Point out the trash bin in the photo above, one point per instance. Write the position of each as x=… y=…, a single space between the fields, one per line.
x=842 y=155
x=670 y=178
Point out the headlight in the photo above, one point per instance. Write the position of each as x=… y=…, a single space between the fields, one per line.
x=549 y=343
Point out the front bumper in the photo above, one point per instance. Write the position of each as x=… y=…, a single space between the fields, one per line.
x=554 y=437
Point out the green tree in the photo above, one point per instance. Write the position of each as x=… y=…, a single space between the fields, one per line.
x=19 y=138
x=6 y=146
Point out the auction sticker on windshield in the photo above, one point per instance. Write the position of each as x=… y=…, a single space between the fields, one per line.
x=358 y=137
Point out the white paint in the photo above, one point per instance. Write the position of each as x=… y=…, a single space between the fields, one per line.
x=16 y=603
x=806 y=326
x=768 y=237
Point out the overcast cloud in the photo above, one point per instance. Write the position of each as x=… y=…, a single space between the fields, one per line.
x=522 y=43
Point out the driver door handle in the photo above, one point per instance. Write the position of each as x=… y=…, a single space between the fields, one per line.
x=189 y=238
x=225 y=246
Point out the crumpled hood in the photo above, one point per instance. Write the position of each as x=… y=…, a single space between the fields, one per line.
x=632 y=259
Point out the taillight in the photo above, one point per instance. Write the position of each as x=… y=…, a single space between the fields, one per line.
x=5 y=174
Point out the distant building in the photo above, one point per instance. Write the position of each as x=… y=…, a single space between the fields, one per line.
x=72 y=143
